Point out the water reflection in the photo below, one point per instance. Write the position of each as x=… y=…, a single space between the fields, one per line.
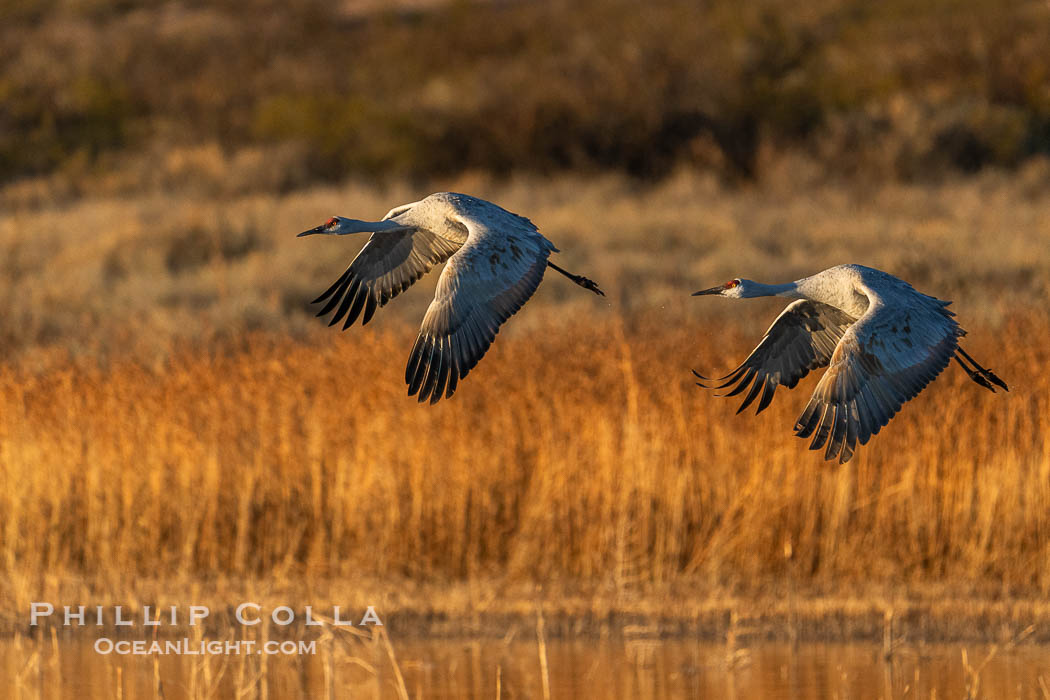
x=513 y=668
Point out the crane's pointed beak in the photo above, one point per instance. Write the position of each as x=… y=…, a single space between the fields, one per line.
x=712 y=290
x=318 y=229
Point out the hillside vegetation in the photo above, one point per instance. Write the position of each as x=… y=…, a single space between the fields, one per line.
x=899 y=89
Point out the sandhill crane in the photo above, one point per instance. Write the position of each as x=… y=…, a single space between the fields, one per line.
x=881 y=340
x=496 y=260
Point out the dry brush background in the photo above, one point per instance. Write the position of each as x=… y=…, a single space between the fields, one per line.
x=196 y=425
x=176 y=426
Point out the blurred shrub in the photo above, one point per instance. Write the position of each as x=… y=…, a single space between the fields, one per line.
x=425 y=90
x=40 y=131
x=196 y=246
x=341 y=134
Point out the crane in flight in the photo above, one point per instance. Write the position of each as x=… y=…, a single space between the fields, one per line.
x=881 y=341
x=495 y=261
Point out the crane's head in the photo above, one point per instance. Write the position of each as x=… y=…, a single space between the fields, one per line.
x=734 y=289
x=333 y=227
x=340 y=226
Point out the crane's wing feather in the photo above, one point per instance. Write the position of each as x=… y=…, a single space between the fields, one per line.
x=802 y=338
x=398 y=210
x=482 y=285
x=885 y=359
x=389 y=263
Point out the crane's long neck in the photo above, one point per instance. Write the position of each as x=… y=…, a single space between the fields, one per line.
x=788 y=290
x=358 y=226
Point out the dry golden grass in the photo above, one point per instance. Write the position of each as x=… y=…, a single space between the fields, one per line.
x=175 y=426
x=116 y=276
x=580 y=453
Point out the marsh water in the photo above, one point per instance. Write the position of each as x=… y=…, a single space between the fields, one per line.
x=508 y=668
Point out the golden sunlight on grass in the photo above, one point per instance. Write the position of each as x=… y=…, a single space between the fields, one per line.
x=597 y=461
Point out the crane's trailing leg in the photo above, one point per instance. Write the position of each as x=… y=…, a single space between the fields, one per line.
x=579 y=279
x=984 y=377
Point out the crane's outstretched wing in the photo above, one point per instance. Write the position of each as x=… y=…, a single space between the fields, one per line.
x=886 y=358
x=482 y=286
x=802 y=338
x=389 y=264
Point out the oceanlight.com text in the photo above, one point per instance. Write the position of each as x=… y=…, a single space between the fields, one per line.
x=188 y=647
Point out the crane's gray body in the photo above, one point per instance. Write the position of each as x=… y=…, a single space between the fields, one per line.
x=849 y=288
x=453 y=216
x=881 y=340
x=494 y=259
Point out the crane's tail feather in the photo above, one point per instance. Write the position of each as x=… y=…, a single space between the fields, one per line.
x=980 y=375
